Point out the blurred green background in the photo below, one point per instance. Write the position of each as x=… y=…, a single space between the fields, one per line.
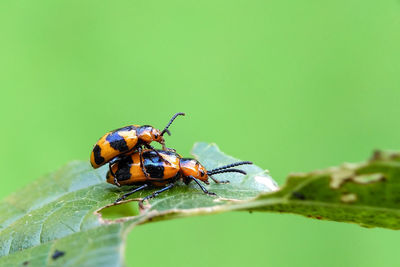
x=292 y=86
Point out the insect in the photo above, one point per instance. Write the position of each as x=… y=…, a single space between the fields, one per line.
x=129 y=172
x=119 y=143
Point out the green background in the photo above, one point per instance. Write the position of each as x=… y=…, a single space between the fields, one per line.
x=292 y=86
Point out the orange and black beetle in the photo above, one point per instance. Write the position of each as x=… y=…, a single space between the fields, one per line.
x=165 y=168
x=121 y=142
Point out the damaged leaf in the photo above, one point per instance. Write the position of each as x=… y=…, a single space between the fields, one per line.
x=60 y=219
x=367 y=193
x=67 y=218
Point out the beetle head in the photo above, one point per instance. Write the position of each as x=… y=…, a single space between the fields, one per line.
x=149 y=134
x=191 y=167
x=157 y=136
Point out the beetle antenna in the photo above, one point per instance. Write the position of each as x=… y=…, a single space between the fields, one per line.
x=170 y=122
x=229 y=170
x=231 y=165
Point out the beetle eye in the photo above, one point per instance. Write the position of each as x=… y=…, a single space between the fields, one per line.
x=201 y=173
x=156 y=136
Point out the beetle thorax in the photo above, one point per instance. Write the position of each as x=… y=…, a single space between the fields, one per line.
x=145 y=133
x=148 y=134
x=191 y=167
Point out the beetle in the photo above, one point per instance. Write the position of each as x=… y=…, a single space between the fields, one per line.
x=129 y=172
x=118 y=143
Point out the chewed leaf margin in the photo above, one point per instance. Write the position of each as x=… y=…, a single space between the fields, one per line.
x=366 y=193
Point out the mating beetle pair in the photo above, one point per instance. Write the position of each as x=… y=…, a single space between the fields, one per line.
x=129 y=164
x=116 y=144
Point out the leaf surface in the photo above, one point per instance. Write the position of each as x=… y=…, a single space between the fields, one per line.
x=61 y=212
x=71 y=211
x=365 y=193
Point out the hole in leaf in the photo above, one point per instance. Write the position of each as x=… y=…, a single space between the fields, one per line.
x=114 y=212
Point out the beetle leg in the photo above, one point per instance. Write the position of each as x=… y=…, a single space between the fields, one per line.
x=114 y=160
x=155 y=194
x=141 y=162
x=218 y=181
x=201 y=186
x=158 y=154
x=131 y=192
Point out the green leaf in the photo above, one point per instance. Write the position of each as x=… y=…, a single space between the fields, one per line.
x=60 y=212
x=366 y=193
x=70 y=211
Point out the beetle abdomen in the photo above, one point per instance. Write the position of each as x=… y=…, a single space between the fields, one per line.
x=129 y=172
x=165 y=168
x=153 y=164
x=112 y=144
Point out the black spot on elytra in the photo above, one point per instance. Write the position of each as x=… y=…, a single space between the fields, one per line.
x=117 y=142
x=298 y=195
x=57 y=254
x=153 y=164
x=98 y=159
x=124 y=166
